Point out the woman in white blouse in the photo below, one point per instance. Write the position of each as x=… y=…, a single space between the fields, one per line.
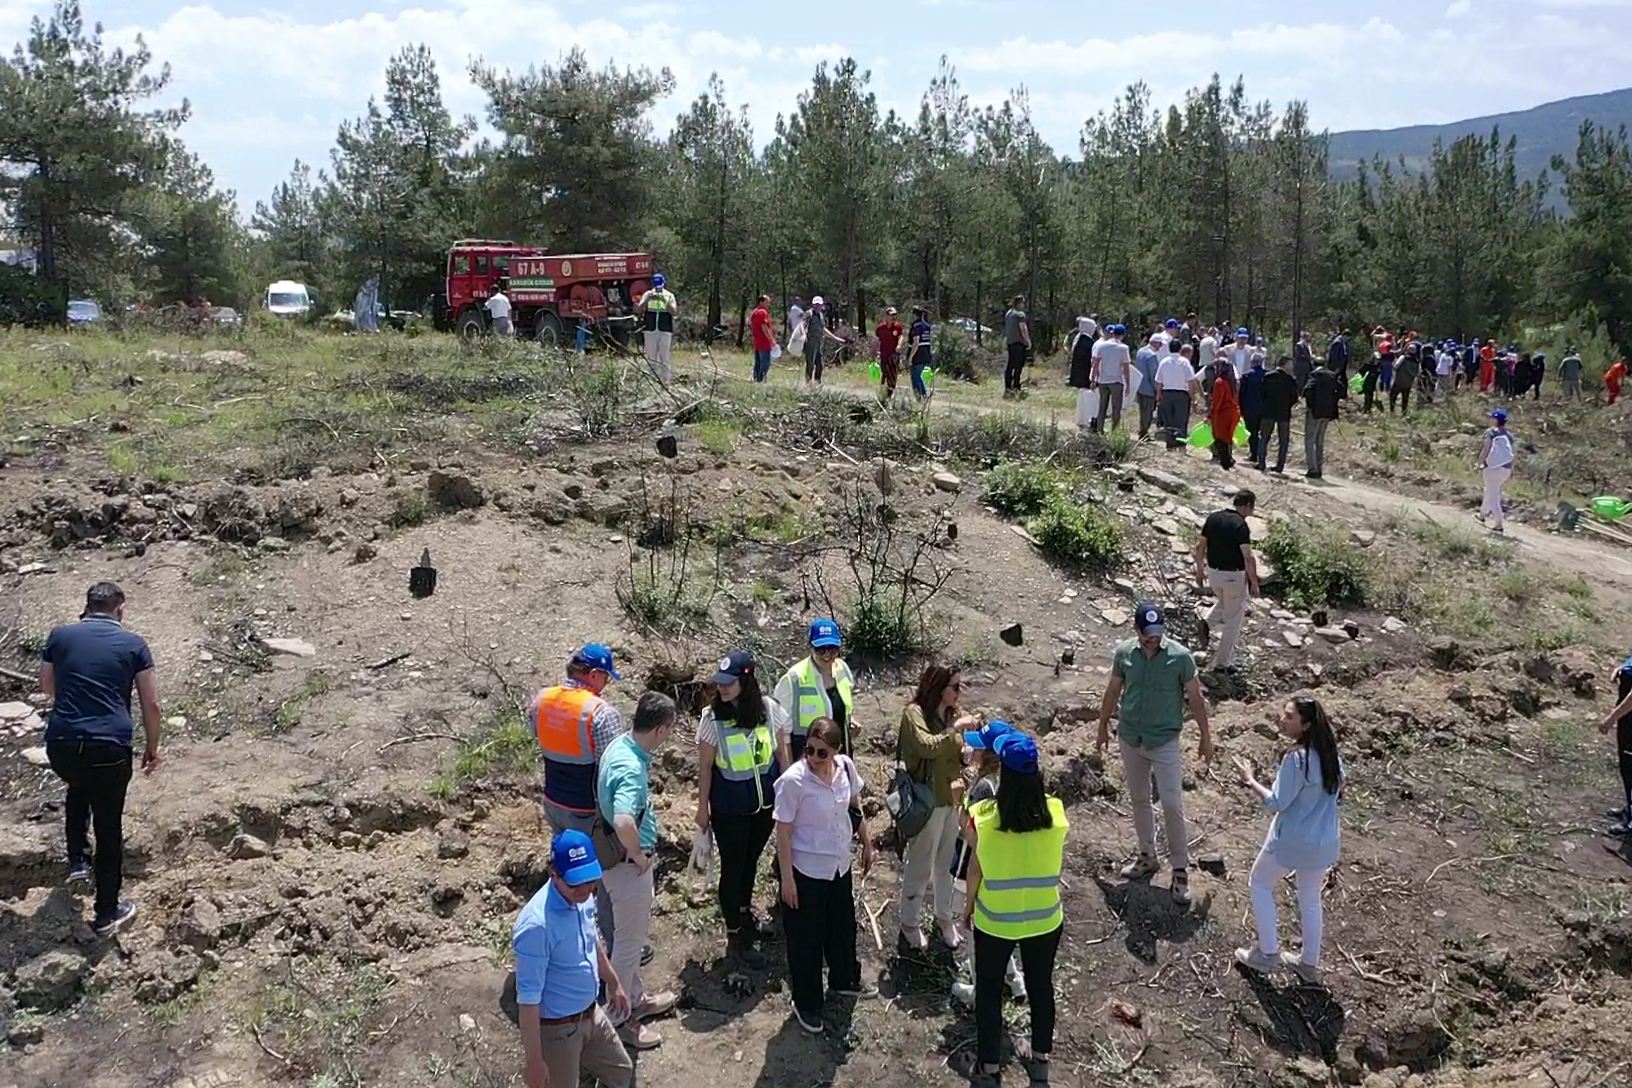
x=818 y=820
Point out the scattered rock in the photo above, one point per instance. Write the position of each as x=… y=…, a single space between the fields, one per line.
x=50 y=981
x=200 y=926
x=293 y=647
x=1309 y=1069
x=454 y=489
x=27 y=1034
x=1446 y=653
x=1166 y=526
x=37 y=756
x=946 y=481
x=1293 y=639
x=1393 y=625
x=1351 y=628
x=1164 y=480
x=245 y=846
x=467 y=1022
x=364 y=553
x=1116 y=617
x=1333 y=634
x=1363 y=537
x=1212 y=863
x=349 y=497
x=452 y=843
x=166 y=975
x=14 y=712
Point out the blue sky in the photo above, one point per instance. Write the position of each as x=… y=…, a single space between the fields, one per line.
x=270 y=82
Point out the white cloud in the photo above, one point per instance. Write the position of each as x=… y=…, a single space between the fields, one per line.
x=1458 y=9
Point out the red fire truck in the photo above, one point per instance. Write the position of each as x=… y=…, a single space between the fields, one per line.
x=550 y=294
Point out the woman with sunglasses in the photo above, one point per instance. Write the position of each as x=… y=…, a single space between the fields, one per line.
x=1014 y=903
x=930 y=745
x=820 y=686
x=818 y=818
x=1303 y=836
x=742 y=746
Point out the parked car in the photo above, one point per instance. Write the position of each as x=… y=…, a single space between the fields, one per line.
x=227 y=316
x=82 y=311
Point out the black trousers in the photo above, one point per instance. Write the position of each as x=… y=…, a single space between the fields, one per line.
x=1017 y=363
x=97 y=775
x=813 y=366
x=1401 y=395
x=1368 y=389
x=1623 y=741
x=1225 y=452
x=741 y=840
x=1281 y=430
x=1255 y=438
x=822 y=930
x=1037 y=965
x=1173 y=415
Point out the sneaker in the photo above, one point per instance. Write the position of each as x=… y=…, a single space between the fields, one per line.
x=1036 y=1068
x=651 y=1006
x=1140 y=868
x=1307 y=974
x=810 y=1022
x=647 y=955
x=1181 y=888
x=1620 y=829
x=963 y=993
x=912 y=939
x=1254 y=960
x=638 y=1036
x=1017 y=987
x=122 y=914
x=861 y=991
x=79 y=872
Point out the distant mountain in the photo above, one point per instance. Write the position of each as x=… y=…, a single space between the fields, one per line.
x=1548 y=130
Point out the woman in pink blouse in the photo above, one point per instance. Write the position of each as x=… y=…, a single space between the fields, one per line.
x=818 y=820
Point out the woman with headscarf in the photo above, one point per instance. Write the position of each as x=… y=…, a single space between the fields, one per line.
x=1224 y=413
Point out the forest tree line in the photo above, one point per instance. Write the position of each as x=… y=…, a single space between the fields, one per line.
x=1217 y=205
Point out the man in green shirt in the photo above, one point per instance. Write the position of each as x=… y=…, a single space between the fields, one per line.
x=623 y=797
x=1152 y=677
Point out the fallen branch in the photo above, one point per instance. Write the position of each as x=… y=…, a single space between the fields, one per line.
x=1437 y=868
x=1365 y=974
x=387 y=662
x=834 y=446
x=872 y=920
x=415 y=737
x=20 y=677
x=312 y=419
x=260 y=1042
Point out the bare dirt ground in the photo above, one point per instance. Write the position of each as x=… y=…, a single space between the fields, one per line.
x=329 y=860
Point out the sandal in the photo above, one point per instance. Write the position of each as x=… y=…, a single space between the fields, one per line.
x=1181 y=887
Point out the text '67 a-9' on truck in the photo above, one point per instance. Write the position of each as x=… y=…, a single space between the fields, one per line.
x=551 y=295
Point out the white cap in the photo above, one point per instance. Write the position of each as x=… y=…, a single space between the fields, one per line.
x=817 y=301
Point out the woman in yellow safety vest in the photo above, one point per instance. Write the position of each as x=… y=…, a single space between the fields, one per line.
x=742 y=747
x=820 y=686
x=1014 y=901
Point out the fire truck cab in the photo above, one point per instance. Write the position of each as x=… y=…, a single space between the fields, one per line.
x=550 y=294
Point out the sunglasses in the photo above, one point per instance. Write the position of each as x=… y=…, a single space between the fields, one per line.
x=827 y=651
x=818 y=754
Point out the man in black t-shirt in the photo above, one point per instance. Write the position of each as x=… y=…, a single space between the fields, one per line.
x=1224 y=561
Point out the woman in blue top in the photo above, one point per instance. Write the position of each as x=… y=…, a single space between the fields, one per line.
x=1496 y=464
x=1303 y=837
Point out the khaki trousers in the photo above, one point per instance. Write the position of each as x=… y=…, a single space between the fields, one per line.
x=1228 y=612
x=929 y=862
x=631 y=893
x=591 y=1045
x=1166 y=763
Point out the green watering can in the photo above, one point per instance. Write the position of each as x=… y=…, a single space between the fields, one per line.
x=929 y=375
x=1201 y=435
x=875 y=371
x=1357 y=383
x=1610 y=508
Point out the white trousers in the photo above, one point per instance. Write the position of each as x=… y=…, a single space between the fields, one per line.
x=929 y=862
x=1495 y=477
x=660 y=355
x=1266 y=874
x=631 y=893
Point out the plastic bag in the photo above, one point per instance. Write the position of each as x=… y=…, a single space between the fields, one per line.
x=701 y=862
x=796 y=342
x=776 y=351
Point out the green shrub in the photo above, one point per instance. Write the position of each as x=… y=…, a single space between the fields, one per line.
x=1020 y=489
x=1077 y=533
x=1316 y=566
x=884 y=626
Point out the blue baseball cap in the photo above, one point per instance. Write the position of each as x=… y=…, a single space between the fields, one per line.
x=597 y=656
x=1018 y=752
x=1241 y=332
x=1499 y=415
x=1172 y=323
x=985 y=738
x=1147 y=619
x=658 y=280
x=825 y=633
x=734 y=666
x=572 y=857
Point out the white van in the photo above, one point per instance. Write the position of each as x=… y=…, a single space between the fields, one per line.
x=287 y=298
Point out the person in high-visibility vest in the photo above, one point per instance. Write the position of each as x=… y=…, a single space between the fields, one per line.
x=820 y=686
x=1014 y=901
x=742 y=747
x=659 y=308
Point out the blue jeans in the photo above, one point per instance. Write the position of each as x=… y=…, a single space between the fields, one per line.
x=919 y=363
x=762 y=364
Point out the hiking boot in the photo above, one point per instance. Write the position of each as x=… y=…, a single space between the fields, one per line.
x=810 y=1022
x=1307 y=974
x=79 y=872
x=741 y=950
x=1142 y=867
x=651 y=1006
x=113 y=923
x=1254 y=960
x=1181 y=888
x=637 y=1036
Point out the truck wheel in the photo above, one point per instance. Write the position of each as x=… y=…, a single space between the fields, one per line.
x=469 y=326
x=547 y=329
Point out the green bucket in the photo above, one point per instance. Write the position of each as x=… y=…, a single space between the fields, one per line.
x=1610 y=508
x=875 y=371
x=929 y=375
x=1357 y=383
x=1241 y=434
x=1201 y=435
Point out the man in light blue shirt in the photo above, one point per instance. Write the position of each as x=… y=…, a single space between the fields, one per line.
x=1144 y=365
x=623 y=793
x=559 y=964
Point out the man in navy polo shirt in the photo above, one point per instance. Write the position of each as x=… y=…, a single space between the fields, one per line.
x=88 y=671
x=559 y=965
